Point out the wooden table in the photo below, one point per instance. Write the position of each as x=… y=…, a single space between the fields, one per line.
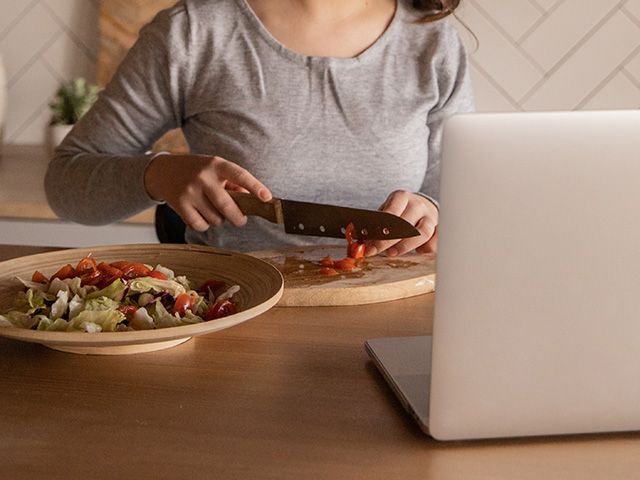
x=290 y=394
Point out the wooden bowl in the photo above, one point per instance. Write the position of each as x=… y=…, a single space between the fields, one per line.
x=261 y=286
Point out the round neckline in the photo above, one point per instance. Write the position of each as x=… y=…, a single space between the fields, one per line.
x=280 y=48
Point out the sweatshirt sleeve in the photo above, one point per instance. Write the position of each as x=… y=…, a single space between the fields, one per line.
x=455 y=96
x=97 y=174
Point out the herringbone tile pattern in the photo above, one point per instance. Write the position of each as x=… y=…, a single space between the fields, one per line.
x=532 y=54
x=554 y=54
x=43 y=43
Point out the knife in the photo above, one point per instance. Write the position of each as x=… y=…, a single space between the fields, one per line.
x=321 y=220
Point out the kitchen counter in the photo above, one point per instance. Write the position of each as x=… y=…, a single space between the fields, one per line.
x=290 y=394
x=22 y=197
x=27 y=219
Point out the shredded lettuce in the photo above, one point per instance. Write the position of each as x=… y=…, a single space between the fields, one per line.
x=142 y=303
x=114 y=291
x=146 y=284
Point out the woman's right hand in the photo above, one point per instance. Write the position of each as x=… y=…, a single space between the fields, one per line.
x=195 y=187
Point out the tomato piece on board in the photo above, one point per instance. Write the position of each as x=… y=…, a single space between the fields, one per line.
x=38 y=277
x=65 y=272
x=156 y=274
x=346 y=264
x=222 y=308
x=86 y=264
x=327 y=261
x=355 y=250
x=328 y=271
x=182 y=303
x=135 y=270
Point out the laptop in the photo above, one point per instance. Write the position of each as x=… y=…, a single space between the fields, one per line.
x=537 y=303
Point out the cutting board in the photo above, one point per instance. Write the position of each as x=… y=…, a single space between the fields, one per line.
x=377 y=279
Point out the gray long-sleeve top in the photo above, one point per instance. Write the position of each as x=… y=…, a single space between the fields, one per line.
x=330 y=130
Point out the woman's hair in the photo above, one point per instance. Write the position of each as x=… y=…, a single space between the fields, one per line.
x=435 y=9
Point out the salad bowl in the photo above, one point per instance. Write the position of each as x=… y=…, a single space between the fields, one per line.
x=260 y=287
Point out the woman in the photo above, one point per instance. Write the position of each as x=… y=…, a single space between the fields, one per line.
x=330 y=101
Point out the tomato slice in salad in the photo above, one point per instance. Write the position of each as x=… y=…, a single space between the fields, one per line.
x=91 y=277
x=86 y=264
x=65 y=272
x=109 y=275
x=222 y=308
x=39 y=278
x=183 y=302
x=156 y=274
x=130 y=300
x=135 y=270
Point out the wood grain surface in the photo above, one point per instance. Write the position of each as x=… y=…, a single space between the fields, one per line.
x=377 y=279
x=260 y=288
x=288 y=395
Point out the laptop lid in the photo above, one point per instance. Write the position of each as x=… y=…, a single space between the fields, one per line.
x=537 y=303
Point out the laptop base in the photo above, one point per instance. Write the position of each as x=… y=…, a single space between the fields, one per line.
x=405 y=363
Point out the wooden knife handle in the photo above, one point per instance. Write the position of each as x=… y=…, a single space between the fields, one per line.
x=250 y=205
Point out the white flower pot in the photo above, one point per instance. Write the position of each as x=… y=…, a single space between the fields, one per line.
x=54 y=136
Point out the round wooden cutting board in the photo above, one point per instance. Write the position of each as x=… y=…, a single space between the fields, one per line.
x=378 y=279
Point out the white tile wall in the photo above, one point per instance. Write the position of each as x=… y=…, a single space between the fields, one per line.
x=554 y=54
x=532 y=55
x=43 y=43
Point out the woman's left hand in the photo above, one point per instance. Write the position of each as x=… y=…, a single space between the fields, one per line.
x=418 y=211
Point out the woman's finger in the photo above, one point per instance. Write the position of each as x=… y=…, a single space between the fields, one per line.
x=432 y=245
x=238 y=177
x=426 y=229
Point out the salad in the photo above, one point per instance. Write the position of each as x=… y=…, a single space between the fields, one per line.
x=113 y=297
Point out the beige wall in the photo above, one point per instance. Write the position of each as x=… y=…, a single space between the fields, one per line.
x=533 y=55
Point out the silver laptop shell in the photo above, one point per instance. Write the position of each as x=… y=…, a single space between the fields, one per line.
x=537 y=303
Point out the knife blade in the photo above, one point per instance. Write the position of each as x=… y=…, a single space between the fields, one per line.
x=322 y=220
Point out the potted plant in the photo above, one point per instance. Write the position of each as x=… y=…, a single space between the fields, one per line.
x=71 y=102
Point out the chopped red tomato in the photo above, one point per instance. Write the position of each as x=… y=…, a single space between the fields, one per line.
x=355 y=247
x=109 y=275
x=65 y=272
x=221 y=308
x=86 y=264
x=327 y=261
x=346 y=264
x=39 y=278
x=135 y=270
x=182 y=303
x=355 y=250
x=156 y=274
x=350 y=233
x=328 y=271
x=91 y=277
